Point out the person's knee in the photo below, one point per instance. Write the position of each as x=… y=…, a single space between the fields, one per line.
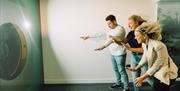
x=123 y=72
x=116 y=70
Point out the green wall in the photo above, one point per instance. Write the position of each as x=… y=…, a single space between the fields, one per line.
x=26 y=16
x=169 y=17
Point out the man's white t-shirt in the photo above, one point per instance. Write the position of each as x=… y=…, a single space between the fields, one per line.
x=114 y=48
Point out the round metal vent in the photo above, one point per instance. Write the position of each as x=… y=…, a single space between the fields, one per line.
x=13 y=51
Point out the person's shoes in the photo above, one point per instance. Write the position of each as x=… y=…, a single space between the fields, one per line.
x=126 y=90
x=115 y=86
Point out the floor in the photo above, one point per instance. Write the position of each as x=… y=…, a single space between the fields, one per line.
x=96 y=87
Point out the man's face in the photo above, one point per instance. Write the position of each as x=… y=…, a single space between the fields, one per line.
x=132 y=24
x=111 y=24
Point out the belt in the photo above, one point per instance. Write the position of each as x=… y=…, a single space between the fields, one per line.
x=137 y=53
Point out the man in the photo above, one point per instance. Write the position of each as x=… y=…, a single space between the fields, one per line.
x=118 y=52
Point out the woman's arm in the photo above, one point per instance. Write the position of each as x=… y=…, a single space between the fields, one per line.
x=140 y=79
x=139 y=50
x=117 y=40
x=123 y=42
x=134 y=69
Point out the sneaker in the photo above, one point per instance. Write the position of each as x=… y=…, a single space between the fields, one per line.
x=115 y=86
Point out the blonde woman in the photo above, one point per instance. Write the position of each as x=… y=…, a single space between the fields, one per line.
x=160 y=65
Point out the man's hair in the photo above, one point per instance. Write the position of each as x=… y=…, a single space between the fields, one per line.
x=111 y=18
x=137 y=18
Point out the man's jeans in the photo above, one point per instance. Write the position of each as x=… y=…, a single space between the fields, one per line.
x=119 y=69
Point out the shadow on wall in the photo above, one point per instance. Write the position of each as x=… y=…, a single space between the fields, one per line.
x=53 y=64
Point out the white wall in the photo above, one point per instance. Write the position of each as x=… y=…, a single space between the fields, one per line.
x=67 y=58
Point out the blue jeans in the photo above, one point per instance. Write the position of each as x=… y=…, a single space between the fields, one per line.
x=135 y=59
x=118 y=63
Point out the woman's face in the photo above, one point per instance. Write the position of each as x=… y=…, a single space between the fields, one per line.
x=139 y=37
x=132 y=24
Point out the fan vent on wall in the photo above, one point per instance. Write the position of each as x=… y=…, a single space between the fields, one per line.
x=13 y=51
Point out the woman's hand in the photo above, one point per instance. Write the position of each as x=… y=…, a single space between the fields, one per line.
x=126 y=46
x=139 y=81
x=131 y=69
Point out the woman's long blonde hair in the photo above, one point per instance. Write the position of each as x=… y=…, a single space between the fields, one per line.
x=152 y=29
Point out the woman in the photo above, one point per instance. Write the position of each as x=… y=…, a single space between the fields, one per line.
x=160 y=66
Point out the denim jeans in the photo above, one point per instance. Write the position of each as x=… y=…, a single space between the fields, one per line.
x=118 y=63
x=135 y=59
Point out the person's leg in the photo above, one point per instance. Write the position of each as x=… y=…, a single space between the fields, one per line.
x=172 y=81
x=159 y=86
x=143 y=70
x=134 y=63
x=116 y=70
x=148 y=79
x=121 y=61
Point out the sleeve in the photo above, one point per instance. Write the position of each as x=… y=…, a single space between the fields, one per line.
x=108 y=42
x=98 y=35
x=160 y=50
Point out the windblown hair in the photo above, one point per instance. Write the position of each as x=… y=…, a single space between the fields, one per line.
x=152 y=29
x=137 y=18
